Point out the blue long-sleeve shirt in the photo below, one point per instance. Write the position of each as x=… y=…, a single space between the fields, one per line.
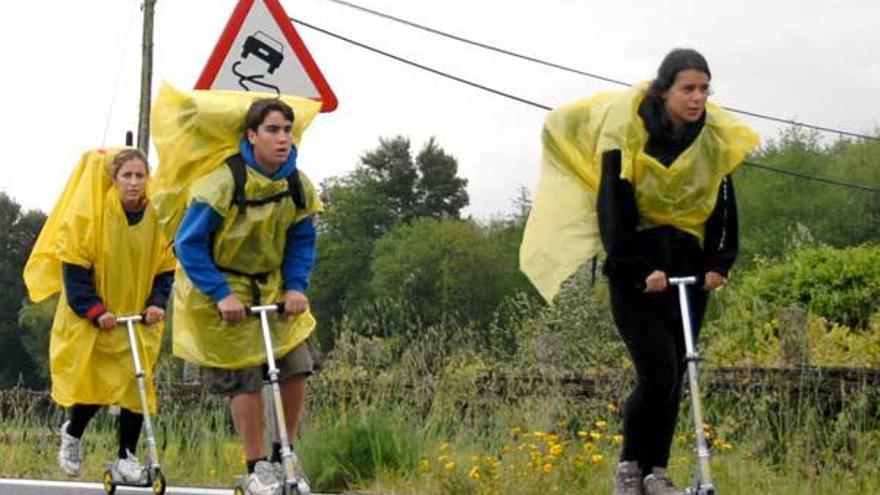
x=194 y=243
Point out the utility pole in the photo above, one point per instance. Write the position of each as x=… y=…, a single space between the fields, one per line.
x=143 y=142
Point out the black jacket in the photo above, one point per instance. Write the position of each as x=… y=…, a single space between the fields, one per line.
x=632 y=254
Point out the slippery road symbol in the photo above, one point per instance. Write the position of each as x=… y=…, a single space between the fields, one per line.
x=265 y=48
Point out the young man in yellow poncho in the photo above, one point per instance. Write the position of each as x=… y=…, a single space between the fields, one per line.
x=103 y=250
x=644 y=175
x=243 y=245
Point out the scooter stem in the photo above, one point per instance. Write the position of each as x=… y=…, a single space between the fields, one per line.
x=702 y=478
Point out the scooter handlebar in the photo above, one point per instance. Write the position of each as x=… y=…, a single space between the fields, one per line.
x=122 y=320
x=267 y=308
x=683 y=280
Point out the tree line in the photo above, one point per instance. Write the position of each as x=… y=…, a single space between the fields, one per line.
x=393 y=231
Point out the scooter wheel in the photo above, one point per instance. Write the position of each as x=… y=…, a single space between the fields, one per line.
x=109 y=486
x=238 y=491
x=159 y=484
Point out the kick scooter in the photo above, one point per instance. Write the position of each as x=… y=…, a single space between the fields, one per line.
x=290 y=485
x=155 y=478
x=702 y=484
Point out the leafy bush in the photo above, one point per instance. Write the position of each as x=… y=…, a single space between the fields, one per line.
x=838 y=288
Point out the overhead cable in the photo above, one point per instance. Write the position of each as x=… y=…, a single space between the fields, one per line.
x=592 y=75
x=547 y=107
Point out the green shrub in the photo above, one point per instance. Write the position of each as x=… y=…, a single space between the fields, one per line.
x=838 y=288
x=350 y=451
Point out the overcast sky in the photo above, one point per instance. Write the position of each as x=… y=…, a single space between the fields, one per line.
x=813 y=61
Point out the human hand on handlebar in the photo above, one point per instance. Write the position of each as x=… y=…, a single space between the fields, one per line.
x=153 y=314
x=231 y=309
x=656 y=282
x=714 y=280
x=295 y=302
x=107 y=321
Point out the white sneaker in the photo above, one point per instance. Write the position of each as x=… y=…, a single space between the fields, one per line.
x=129 y=470
x=264 y=480
x=70 y=454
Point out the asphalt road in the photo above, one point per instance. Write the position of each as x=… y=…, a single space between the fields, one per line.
x=39 y=487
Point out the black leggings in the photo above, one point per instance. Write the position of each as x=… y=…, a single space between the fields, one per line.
x=129 y=425
x=651 y=328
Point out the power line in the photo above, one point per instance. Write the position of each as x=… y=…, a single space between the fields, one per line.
x=546 y=107
x=479 y=44
x=420 y=66
x=581 y=72
x=812 y=177
x=122 y=49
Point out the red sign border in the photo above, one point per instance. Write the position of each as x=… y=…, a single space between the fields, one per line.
x=233 y=27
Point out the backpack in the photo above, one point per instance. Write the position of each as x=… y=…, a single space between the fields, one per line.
x=239 y=179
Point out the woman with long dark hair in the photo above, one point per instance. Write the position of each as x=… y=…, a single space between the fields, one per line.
x=651 y=169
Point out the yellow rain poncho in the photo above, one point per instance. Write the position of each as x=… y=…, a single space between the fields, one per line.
x=194 y=133
x=88 y=227
x=562 y=231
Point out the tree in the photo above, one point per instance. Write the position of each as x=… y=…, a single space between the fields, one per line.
x=440 y=192
x=356 y=215
x=18 y=232
x=390 y=167
x=386 y=188
x=425 y=187
x=774 y=208
x=446 y=269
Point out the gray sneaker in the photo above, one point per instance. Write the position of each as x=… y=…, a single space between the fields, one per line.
x=129 y=470
x=265 y=480
x=70 y=454
x=302 y=481
x=657 y=483
x=628 y=480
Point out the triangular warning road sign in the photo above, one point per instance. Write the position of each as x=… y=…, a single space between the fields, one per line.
x=260 y=50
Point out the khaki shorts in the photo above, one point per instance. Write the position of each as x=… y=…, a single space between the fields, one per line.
x=296 y=363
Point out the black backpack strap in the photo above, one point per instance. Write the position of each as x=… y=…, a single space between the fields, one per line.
x=239 y=177
x=253 y=278
x=295 y=189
